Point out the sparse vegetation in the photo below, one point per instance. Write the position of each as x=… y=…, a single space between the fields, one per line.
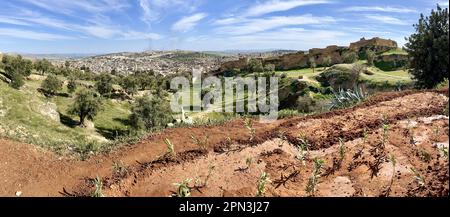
x=303 y=149
x=119 y=168
x=98 y=183
x=418 y=178
x=202 y=144
x=183 y=189
x=315 y=176
x=342 y=149
x=262 y=182
x=248 y=123
x=248 y=162
x=170 y=149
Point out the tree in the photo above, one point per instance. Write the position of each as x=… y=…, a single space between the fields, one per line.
x=86 y=105
x=16 y=68
x=129 y=84
x=327 y=61
x=72 y=85
x=269 y=68
x=350 y=57
x=312 y=64
x=255 y=65
x=150 y=112
x=428 y=49
x=51 y=85
x=43 y=66
x=104 y=84
x=67 y=64
x=370 y=57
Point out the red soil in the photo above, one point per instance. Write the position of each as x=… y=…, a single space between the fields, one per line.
x=364 y=171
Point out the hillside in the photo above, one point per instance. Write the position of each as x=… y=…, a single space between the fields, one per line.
x=365 y=168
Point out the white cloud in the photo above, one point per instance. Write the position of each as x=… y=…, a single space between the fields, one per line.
x=380 y=9
x=26 y=34
x=73 y=7
x=187 y=23
x=443 y=3
x=386 y=19
x=153 y=10
x=13 y=21
x=97 y=26
x=280 y=5
x=249 y=26
x=286 y=38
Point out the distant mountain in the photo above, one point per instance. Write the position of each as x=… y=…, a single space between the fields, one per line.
x=54 y=56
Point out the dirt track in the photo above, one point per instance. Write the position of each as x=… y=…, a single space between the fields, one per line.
x=36 y=172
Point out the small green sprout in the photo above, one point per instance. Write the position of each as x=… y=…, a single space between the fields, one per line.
x=263 y=180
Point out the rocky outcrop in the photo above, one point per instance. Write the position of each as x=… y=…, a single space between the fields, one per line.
x=49 y=110
x=302 y=59
x=376 y=44
x=235 y=64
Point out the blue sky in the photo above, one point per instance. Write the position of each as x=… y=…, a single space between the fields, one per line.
x=105 y=26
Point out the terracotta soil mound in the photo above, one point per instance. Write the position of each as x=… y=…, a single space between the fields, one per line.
x=415 y=137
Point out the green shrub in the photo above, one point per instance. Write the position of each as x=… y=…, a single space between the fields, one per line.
x=51 y=85
x=337 y=78
x=151 y=112
x=287 y=113
x=350 y=57
x=305 y=104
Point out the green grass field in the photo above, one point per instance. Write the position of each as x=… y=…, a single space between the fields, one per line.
x=22 y=119
x=378 y=76
x=395 y=51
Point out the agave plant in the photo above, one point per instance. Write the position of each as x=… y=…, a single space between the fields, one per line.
x=345 y=98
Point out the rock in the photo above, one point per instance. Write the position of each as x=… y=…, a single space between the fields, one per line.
x=18 y=193
x=170 y=125
x=89 y=125
x=49 y=110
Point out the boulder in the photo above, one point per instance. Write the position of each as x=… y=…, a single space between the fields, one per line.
x=49 y=110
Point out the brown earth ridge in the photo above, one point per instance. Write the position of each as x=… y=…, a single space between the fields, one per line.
x=418 y=129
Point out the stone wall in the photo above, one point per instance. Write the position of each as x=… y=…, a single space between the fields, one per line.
x=301 y=59
x=378 y=45
x=241 y=63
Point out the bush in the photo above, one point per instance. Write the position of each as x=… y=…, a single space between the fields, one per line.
x=350 y=57
x=390 y=65
x=151 y=112
x=72 y=85
x=370 y=55
x=305 y=104
x=51 y=85
x=288 y=113
x=337 y=78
